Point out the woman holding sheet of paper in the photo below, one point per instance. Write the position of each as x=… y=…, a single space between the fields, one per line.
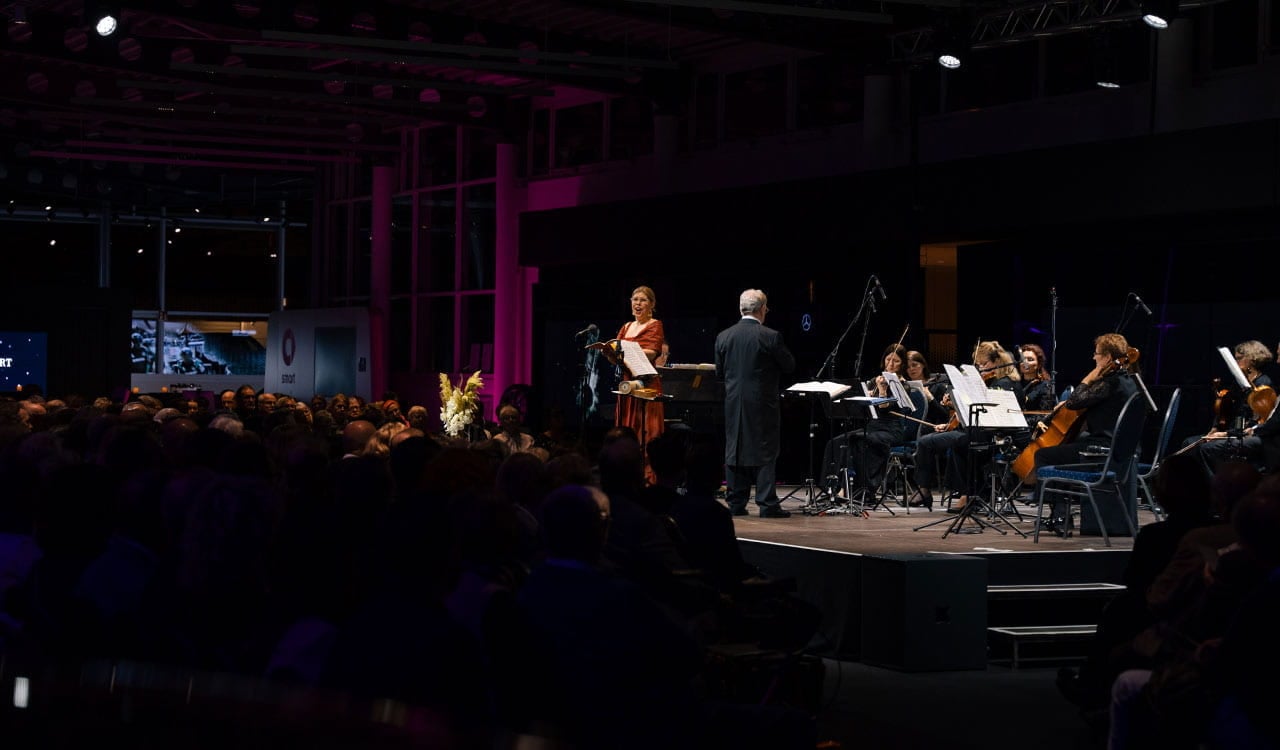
x=645 y=417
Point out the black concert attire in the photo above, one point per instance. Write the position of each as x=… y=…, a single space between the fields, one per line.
x=951 y=445
x=1102 y=400
x=937 y=385
x=1037 y=395
x=868 y=448
x=1262 y=448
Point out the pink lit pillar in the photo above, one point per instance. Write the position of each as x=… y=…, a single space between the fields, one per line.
x=384 y=183
x=513 y=284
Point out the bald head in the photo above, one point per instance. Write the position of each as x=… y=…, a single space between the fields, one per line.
x=356 y=435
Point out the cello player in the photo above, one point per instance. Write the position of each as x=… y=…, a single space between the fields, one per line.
x=1252 y=356
x=1101 y=395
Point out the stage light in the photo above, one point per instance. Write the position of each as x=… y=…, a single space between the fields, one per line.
x=953 y=43
x=1158 y=14
x=105 y=22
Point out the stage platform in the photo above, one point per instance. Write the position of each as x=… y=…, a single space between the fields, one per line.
x=897 y=595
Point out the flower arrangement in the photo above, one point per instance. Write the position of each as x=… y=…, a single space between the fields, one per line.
x=458 y=405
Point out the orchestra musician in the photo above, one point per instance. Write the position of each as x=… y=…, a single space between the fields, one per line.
x=1253 y=439
x=869 y=447
x=951 y=441
x=935 y=386
x=1037 y=388
x=1100 y=396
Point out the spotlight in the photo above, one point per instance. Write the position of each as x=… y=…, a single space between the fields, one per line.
x=953 y=42
x=105 y=20
x=1158 y=14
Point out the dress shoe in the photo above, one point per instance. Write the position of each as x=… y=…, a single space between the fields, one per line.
x=958 y=504
x=738 y=511
x=774 y=513
x=921 y=499
x=1063 y=527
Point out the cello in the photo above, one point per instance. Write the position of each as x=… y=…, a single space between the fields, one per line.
x=1063 y=423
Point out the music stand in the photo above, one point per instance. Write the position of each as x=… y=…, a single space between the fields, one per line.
x=975 y=499
x=855 y=409
x=815 y=392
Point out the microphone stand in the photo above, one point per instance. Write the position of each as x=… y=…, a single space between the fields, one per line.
x=1053 y=345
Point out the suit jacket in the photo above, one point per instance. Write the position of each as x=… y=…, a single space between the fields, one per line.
x=751 y=359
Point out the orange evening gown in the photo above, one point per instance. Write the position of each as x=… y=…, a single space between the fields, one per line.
x=629 y=410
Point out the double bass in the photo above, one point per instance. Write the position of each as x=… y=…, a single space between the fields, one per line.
x=1063 y=424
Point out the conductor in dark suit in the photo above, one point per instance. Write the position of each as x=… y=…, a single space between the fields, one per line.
x=750 y=359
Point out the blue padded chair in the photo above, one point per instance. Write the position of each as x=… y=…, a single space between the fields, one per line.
x=1146 y=471
x=898 y=474
x=1115 y=472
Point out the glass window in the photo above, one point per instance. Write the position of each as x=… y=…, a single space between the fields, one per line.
x=482 y=154
x=755 y=102
x=402 y=244
x=400 y=343
x=339 y=242
x=436 y=221
x=134 y=262
x=438 y=156
x=361 y=249
x=435 y=335
x=580 y=135
x=828 y=92
x=477 y=332
x=630 y=127
x=540 y=142
x=479 y=223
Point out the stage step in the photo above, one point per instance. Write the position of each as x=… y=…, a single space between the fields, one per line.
x=1041 y=634
x=1023 y=614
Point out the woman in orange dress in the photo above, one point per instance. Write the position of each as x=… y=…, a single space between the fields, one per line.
x=645 y=417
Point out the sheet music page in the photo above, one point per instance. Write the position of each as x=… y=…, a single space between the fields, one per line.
x=633 y=357
x=898 y=390
x=966 y=388
x=820 y=386
x=1006 y=413
x=1234 y=367
x=871 y=406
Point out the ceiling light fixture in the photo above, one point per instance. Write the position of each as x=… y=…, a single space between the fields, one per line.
x=1158 y=14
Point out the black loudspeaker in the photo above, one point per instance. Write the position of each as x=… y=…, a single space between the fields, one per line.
x=924 y=613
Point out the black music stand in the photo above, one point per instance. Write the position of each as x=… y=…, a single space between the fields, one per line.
x=815 y=496
x=854 y=410
x=976 y=501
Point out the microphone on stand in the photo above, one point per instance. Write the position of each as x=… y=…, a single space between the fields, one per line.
x=1142 y=305
x=589 y=329
x=879 y=287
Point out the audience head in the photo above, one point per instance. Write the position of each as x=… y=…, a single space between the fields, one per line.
x=574 y=523
x=1232 y=481
x=356 y=434
x=1181 y=486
